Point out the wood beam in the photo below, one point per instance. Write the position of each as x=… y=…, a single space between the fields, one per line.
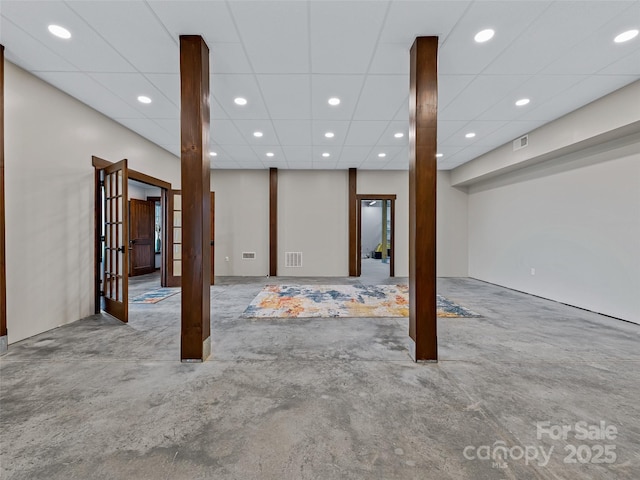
x=273 y=222
x=3 y=268
x=195 y=339
x=423 y=116
x=353 y=222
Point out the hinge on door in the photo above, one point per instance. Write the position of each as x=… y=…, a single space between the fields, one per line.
x=101 y=183
x=102 y=293
x=102 y=238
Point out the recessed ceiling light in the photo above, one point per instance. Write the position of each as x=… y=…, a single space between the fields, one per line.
x=240 y=101
x=398 y=135
x=144 y=99
x=439 y=155
x=382 y=155
x=257 y=134
x=484 y=35
x=213 y=154
x=522 y=102
x=270 y=154
x=325 y=154
x=626 y=36
x=329 y=135
x=59 y=31
x=470 y=135
x=333 y=101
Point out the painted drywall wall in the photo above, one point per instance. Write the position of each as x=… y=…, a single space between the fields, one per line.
x=371 y=227
x=49 y=140
x=242 y=221
x=574 y=220
x=312 y=219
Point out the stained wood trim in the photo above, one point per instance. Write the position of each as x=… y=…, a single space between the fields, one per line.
x=423 y=116
x=100 y=163
x=273 y=222
x=97 y=228
x=196 y=200
x=3 y=267
x=353 y=223
x=384 y=197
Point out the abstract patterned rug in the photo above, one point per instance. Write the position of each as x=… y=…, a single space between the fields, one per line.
x=154 y=296
x=307 y=301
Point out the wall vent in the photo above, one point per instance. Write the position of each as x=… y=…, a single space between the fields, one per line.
x=521 y=142
x=248 y=255
x=292 y=259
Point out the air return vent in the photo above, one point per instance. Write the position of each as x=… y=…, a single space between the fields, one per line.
x=521 y=142
x=292 y=259
x=248 y=255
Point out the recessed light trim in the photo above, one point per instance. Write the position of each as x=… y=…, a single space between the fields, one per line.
x=334 y=101
x=484 y=35
x=240 y=101
x=439 y=155
x=213 y=154
x=382 y=155
x=270 y=154
x=626 y=36
x=144 y=99
x=522 y=102
x=59 y=31
x=398 y=135
x=470 y=135
x=326 y=154
x=258 y=134
x=329 y=134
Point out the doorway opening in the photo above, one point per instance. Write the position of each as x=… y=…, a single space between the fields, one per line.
x=376 y=235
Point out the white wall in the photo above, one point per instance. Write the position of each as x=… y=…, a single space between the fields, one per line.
x=242 y=221
x=49 y=140
x=371 y=227
x=575 y=220
x=313 y=219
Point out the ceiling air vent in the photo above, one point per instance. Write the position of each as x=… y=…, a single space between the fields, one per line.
x=292 y=259
x=248 y=255
x=521 y=142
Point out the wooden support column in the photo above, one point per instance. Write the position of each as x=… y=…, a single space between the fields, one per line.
x=353 y=222
x=195 y=339
x=273 y=222
x=423 y=116
x=3 y=268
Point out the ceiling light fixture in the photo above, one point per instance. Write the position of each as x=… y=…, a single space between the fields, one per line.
x=240 y=101
x=439 y=155
x=522 y=102
x=257 y=134
x=470 y=135
x=333 y=101
x=484 y=35
x=626 y=36
x=144 y=99
x=59 y=31
x=329 y=135
x=213 y=154
x=270 y=154
x=325 y=154
x=398 y=135
x=382 y=155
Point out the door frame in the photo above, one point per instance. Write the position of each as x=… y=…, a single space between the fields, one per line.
x=99 y=164
x=370 y=197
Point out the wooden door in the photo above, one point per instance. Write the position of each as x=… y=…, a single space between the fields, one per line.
x=142 y=249
x=174 y=237
x=116 y=252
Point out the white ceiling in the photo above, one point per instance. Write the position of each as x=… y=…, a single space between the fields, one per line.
x=288 y=57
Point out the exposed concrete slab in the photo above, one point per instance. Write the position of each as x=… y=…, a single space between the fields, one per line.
x=319 y=398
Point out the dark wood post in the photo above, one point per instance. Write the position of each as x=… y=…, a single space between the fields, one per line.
x=353 y=225
x=273 y=222
x=195 y=339
x=423 y=116
x=3 y=268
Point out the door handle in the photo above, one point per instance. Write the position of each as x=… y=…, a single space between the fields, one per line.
x=212 y=243
x=121 y=249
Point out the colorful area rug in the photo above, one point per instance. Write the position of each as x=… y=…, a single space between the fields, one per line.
x=308 y=301
x=154 y=296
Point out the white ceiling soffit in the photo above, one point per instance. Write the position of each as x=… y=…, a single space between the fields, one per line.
x=287 y=58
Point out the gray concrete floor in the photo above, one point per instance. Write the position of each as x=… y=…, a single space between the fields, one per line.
x=324 y=398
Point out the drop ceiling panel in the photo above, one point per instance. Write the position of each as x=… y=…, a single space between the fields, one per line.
x=628 y=65
x=293 y=132
x=85 y=50
x=228 y=58
x=365 y=132
x=262 y=150
x=381 y=97
x=390 y=58
x=20 y=47
x=268 y=40
x=297 y=154
x=481 y=129
x=140 y=37
x=286 y=96
x=450 y=86
x=128 y=86
x=172 y=127
x=319 y=160
x=248 y=127
x=388 y=138
x=460 y=54
x=344 y=35
x=225 y=88
x=241 y=153
x=148 y=130
x=224 y=132
x=345 y=87
x=448 y=128
x=338 y=128
x=209 y=19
